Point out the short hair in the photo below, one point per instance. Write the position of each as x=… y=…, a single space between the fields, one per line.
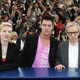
x=14 y=33
x=47 y=17
x=72 y=24
x=3 y=24
x=56 y=16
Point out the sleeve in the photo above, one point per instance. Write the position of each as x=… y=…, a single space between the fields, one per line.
x=58 y=56
x=25 y=53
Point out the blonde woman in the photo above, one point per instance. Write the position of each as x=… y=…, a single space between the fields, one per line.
x=8 y=50
x=16 y=40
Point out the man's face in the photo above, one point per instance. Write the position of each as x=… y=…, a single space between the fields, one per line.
x=47 y=27
x=73 y=33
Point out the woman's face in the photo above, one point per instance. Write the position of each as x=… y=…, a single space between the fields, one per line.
x=14 y=37
x=5 y=33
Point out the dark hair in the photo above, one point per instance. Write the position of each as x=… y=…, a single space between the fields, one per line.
x=47 y=16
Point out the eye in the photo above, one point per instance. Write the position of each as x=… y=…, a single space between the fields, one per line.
x=4 y=30
x=9 y=31
x=49 y=25
x=44 y=24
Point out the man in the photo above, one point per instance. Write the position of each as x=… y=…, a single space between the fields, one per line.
x=40 y=49
x=69 y=51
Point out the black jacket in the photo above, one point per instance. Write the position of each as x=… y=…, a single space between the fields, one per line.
x=11 y=57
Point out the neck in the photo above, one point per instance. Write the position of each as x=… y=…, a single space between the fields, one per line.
x=45 y=36
x=14 y=39
x=73 y=42
x=4 y=42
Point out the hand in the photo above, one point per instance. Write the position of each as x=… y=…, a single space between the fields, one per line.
x=64 y=37
x=31 y=6
x=39 y=1
x=55 y=23
x=60 y=67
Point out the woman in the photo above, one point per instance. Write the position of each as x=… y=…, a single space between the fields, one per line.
x=16 y=40
x=8 y=50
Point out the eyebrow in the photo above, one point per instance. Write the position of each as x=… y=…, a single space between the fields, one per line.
x=73 y=32
x=7 y=25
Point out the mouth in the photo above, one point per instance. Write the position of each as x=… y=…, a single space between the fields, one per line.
x=46 y=31
x=6 y=37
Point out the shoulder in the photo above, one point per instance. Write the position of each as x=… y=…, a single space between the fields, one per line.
x=32 y=36
x=11 y=44
x=79 y=39
x=63 y=44
x=54 y=40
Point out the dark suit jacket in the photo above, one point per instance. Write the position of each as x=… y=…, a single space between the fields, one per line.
x=62 y=54
x=30 y=48
x=11 y=57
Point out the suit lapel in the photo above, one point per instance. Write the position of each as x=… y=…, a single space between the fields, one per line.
x=35 y=43
x=79 y=54
x=0 y=52
x=7 y=53
x=66 y=50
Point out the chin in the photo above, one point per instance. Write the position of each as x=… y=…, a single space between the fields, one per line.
x=6 y=40
x=46 y=34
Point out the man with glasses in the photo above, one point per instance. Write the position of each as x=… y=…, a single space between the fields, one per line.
x=69 y=51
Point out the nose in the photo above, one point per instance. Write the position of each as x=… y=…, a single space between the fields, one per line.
x=7 y=32
x=46 y=27
x=73 y=35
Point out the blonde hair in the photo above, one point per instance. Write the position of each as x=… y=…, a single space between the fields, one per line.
x=3 y=24
x=72 y=24
x=14 y=33
x=14 y=7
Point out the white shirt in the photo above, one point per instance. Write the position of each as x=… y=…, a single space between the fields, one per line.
x=73 y=55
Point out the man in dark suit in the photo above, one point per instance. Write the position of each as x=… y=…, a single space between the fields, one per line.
x=68 y=54
x=40 y=49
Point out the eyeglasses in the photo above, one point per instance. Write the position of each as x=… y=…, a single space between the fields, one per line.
x=70 y=33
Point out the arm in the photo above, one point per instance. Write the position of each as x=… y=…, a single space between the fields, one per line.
x=58 y=63
x=41 y=5
x=65 y=1
x=29 y=11
x=8 y=66
x=25 y=53
x=77 y=18
x=59 y=67
x=12 y=60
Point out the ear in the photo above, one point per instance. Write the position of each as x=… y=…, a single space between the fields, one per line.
x=78 y=33
x=40 y=26
x=0 y=33
x=53 y=27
